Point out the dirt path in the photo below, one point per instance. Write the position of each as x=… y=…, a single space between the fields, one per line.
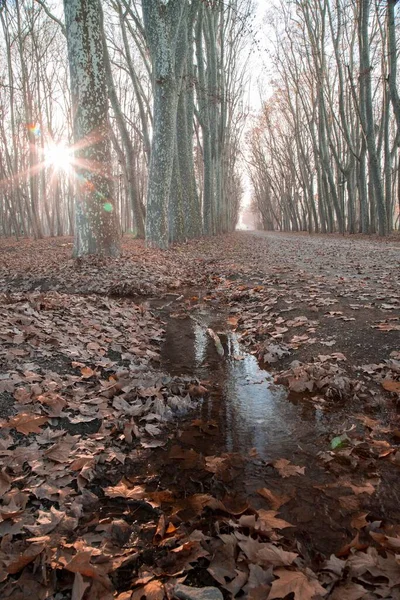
x=222 y=414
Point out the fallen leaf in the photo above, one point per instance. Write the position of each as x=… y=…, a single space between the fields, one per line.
x=5 y=482
x=367 y=488
x=80 y=563
x=348 y=591
x=267 y=521
x=359 y=521
x=16 y=563
x=391 y=386
x=272 y=555
x=79 y=587
x=122 y=491
x=87 y=372
x=233 y=321
x=355 y=543
x=275 y=500
x=296 y=582
x=46 y=521
x=286 y=469
x=26 y=423
x=154 y=590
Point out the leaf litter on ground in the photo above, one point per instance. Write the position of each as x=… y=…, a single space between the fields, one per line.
x=86 y=397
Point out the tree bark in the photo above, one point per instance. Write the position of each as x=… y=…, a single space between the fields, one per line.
x=96 y=225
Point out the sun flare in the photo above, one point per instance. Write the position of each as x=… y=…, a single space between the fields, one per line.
x=58 y=156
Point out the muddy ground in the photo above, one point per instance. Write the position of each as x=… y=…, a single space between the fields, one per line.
x=223 y=414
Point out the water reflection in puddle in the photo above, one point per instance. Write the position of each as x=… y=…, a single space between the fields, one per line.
x=251 y=410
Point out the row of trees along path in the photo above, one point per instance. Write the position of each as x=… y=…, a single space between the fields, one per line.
x=132 y=79
x=150 y=98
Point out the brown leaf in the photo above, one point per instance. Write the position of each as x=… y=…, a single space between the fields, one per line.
x=386 y=541
x=360 y=562
x=154 y=590
x=296 y=582
x=359 y=521
x=349 y=591
x=223 y=564
x=79 y=588
x=275 y=500
x=87 y=371
x=367 y=488
x=197 y=391
x=60 y=452
x=391 y=386
x=272 y=555
x=267 y=521
x=80 y=563
x=46 y=521
x=286 y=469
x=5 y=482
x=161 y=527
x=18 y=562
x=259 y=583
x=355 y=543
x=122 y=491
x=26 y=423
x=233 y=321
x=54 y=404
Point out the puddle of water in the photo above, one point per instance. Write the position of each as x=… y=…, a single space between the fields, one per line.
x=248 y=411
x=251 y=410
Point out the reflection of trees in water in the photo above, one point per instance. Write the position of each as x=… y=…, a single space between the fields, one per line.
x=250 y=410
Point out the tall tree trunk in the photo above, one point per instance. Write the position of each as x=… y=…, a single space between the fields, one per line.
x=161 y=22
x=96 y=224
x=369 y=124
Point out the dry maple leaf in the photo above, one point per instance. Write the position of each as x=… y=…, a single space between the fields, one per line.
x=286 y=469
x=355 y=543
x=122 y=491
x=259 y=582
x=87 y=372
x=223 y=564
x=60 y=452
x=275 y=500
x=233 y=321
x=367 y=488
x=26 y=423
x=360 y=562
x=154 y=590
x=17 y=562
x=349 y=591
x=386 y=541
x=80 y=563
x=267 y=521
x=272 y=555
x=297 y=583
x=5 y=482
x=79 y=587
x=391 y=386
x=46 y=521
x=359 y=521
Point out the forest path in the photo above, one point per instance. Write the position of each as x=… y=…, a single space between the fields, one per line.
x=136 y=452
x=333 y=254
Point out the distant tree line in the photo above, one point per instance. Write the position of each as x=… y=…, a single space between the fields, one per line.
x=325 y=151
